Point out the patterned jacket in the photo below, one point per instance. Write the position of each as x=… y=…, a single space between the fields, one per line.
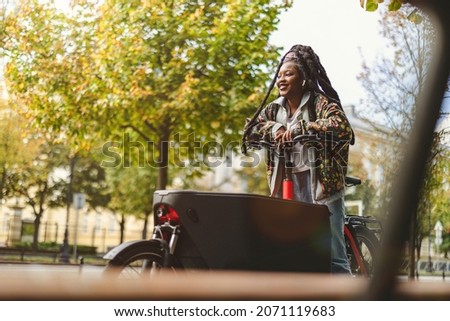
x=330 y=157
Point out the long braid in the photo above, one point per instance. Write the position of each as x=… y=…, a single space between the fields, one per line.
x=252 y=122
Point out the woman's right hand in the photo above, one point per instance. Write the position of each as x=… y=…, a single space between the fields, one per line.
x=280 y=133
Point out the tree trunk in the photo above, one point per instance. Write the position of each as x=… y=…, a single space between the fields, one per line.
x=419 y=247
x=2 y=184
x=122 y=228
x=163 y=157
x=37 y=224
x=145 y=229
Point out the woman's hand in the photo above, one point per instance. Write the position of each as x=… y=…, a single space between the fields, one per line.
x=287 y=136
x=279 y=134
x=282 y=135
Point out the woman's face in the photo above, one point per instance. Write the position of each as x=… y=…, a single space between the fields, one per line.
x=289 y=80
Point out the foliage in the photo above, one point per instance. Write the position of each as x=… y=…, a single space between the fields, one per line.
x=372 y=5
x=89 y=178
x=435 y=204
x=395 y=81
x=38 y=184
x=18 y=146
x=131 y=193
x=393 y=86
x=366 y=192
x=253 y=173
x=441 y=201
x=156 y=68
x=12 y=149
x=41 y=178
x=400 y=74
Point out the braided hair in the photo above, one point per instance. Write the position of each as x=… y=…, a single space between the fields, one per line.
x=313 y=72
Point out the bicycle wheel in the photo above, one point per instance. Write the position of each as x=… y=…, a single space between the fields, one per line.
x=368 y=245
x=136 y=261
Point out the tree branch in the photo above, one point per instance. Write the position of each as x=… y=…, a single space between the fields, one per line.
x=141 y=133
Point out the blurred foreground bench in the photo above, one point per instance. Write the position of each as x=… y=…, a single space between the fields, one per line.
x=206 y=285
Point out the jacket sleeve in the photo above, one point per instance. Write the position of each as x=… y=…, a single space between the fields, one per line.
x=267 y=125
x=330 y=118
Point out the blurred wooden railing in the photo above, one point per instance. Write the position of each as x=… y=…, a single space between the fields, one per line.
x=205 y=285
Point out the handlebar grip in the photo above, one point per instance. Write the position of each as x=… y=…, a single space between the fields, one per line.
x=352 y=181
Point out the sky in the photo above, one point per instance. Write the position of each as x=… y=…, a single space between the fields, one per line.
x=340 y=32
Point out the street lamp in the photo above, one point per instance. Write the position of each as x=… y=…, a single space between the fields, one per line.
x=65 y=255
x=79 y=199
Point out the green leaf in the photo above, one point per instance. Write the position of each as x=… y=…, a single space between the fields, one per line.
x=371 y=5
x=415 y=17
x=394 y=5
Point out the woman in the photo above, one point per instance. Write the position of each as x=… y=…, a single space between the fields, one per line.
x=308 y=103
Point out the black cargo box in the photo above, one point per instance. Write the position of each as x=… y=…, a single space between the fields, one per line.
x=249 y=232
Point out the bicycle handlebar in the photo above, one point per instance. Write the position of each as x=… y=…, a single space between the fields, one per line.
x=307 y=138
x=302 y=139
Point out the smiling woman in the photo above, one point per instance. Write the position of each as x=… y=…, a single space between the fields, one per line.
x=25 y=284
x=307 y=102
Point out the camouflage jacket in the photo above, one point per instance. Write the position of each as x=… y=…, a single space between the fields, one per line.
x=329 y=157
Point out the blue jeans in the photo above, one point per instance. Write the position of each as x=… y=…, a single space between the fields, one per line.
x=339 y=260
x=302 y=192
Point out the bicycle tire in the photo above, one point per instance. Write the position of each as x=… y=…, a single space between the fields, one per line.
x=137 y=261
x=368 y=245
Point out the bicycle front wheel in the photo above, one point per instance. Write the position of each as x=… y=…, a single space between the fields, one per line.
x=137 y=261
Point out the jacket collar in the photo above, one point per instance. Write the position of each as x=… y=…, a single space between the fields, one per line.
x=281 y=100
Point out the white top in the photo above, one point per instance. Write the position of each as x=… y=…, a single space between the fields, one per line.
x=299 y=152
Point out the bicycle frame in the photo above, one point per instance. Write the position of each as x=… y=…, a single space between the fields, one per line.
x=355 y=248
x=288 y=186
x=169 y=230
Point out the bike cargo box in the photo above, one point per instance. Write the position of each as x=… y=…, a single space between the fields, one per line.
x=249 y=232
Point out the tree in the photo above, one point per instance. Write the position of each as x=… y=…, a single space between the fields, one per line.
x=143 y=185
x=38 y=184
x=400 y=77
x=434 y=196
x=11 y=149
x=131 y=193
x=89 y=178
x=393 y=86
x=18 y=149
x=160 y=71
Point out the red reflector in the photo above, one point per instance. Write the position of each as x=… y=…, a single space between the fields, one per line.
x=166 y=213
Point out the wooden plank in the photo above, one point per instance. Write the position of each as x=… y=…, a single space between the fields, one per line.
x=206 y=285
